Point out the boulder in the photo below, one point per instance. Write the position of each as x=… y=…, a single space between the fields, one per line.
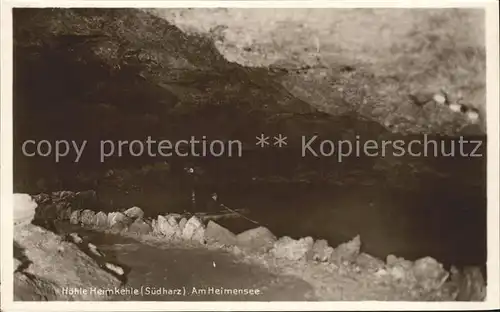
x=168 y=227
x=259 y=239
x=24 y=209
x=100 y=220
x=134 y=213
x=216 y=233
x=31 y=288
x=429 y=273
x=116 y=217
x=348 y=251
x=87 y=218
x=320 y=251
x=75 y=217
x=139 y=227
x=194 y=230
x=291 y=249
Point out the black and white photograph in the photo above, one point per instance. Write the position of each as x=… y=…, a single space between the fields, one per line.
x=259 y=154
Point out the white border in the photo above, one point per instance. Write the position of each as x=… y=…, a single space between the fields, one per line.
x=6 y=200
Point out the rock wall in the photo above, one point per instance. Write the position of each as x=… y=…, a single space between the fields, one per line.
x=45 y=265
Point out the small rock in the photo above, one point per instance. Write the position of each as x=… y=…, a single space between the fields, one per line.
x=291 y=249
x=100 y=220
x=24 y=209
x=75 y=217
x=75 y=238
x=168 y=227
x=182 y=224
x=381 y=273
x=139 y=227
x=216 y=233
x=134 y=213
x=320 y=251
x=87 y=217
x=193 y=230
x=258 y=239
x=429 y=273
x=439 y=98
x=116 y=217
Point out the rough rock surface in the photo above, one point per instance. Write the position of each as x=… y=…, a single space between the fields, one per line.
x=257 y=239
x=194 y=230
x=168 y=227
x=52 y=264
x=291 y=249
x=134 y=213
x=75 y=217
x=216 y=233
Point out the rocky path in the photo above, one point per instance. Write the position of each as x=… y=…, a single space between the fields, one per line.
x=169 y=273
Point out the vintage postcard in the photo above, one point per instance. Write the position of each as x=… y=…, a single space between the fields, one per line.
x=249 y=155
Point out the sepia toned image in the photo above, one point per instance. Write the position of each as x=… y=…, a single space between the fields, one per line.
x=249 y=154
